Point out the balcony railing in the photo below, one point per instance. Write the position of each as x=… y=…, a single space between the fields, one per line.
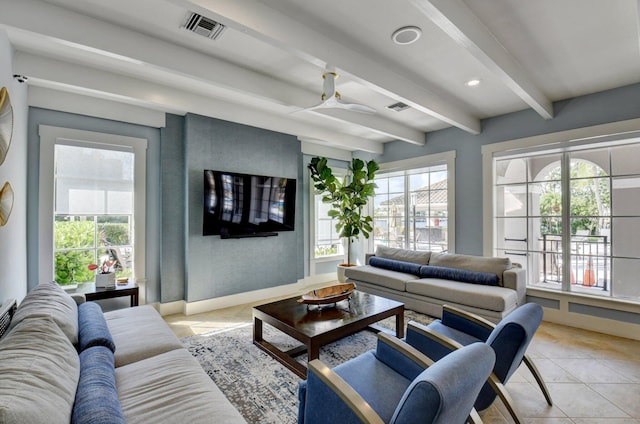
x=589 y=256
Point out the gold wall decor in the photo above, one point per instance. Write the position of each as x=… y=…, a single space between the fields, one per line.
x=6 y=123
x=6 y=203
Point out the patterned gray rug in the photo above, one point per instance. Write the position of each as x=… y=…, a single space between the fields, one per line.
x=256 y=384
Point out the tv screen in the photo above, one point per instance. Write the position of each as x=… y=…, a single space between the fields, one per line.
x=244 y=205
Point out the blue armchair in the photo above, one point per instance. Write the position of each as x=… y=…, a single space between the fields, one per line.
x=396 y=384
x=509 y=339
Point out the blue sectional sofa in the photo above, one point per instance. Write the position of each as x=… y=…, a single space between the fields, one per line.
x=64 y=362
x=424 y=281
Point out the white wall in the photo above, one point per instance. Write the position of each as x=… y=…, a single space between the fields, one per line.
x=13 y=236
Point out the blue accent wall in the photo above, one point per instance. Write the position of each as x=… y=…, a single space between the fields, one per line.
x=38 y=116
x=174 y=188
x=608 y=106
x=216 y=267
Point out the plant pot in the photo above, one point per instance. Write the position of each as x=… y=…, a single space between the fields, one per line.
x=341 y=269
x=69 y=286
x=106 y=280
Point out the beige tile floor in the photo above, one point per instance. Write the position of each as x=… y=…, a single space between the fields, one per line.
x=593 y=378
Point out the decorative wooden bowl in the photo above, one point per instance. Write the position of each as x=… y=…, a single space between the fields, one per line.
x=327 y=295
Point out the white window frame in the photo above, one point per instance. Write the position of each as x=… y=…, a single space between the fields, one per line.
x=563 y=139
x=621 y=132
x=449 y=159
x=49 y=137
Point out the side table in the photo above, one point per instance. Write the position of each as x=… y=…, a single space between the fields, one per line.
x=91 y=292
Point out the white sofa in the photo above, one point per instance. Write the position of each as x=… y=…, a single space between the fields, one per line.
x=424 y=281
x=57 y=365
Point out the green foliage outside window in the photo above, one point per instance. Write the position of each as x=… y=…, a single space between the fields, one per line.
x=590 y=199
x=77 y=244
x=71 y=266
x=326 y=250
x=74 y=234
x=115 y=234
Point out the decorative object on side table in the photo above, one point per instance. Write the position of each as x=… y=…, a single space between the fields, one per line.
x=347 y=197
x=106 y=277
x=328 y=295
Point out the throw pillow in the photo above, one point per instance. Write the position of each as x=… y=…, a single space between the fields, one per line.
x=418 y=257
x=473 y=277
x=494 y=265
x=92 y=328
x=394 y=265
x=97 y=397
x=50 y=300
x=39 y=372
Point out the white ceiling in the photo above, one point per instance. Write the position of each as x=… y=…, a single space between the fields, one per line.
x=268 y=63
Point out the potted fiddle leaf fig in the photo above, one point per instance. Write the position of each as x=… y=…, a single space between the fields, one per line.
x=348 y=197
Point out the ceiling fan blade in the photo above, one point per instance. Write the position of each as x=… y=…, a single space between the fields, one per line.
x=310 y=108
x=356 y=107
x=328 y=103
x=334 y=103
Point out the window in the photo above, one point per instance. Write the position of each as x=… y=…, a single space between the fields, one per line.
x=327 y=241
x=93 y=211
x=412 y=207
x=570 y=217
x=91 y=204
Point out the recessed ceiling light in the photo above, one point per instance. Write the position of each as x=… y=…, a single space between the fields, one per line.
x=406 y=35
x=472 y=82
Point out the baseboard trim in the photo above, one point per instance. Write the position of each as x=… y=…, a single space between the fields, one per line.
x=170 y=308
x=599 y=325
x=602 y=315
x=207 y=305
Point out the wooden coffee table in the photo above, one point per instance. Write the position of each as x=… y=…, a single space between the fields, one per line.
x=317 y=326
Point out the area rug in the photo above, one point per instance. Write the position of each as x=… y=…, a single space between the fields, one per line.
x=260 y=388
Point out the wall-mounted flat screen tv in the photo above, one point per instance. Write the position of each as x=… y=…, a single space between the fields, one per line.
x=243 y=205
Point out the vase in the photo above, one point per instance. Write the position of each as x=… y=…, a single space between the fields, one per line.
x=342 y=278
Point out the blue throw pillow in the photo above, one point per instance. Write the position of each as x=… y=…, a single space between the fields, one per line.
x=92 y=328
x=97 y=397
x=456 y=274
x=394 y=265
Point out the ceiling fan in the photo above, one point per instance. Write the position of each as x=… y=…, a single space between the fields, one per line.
x=331 y=98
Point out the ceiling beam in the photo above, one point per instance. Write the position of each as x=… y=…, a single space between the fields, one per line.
x=141 y=56
x=271 y=26
x=374 y=123
x=70 y=102
x=459 y=22
x=79 y=79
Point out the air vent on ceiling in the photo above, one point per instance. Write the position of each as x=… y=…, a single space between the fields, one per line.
x=204 y=26
x=398 y=107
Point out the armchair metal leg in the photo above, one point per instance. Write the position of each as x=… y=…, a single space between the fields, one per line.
x=536 y=374
x=474 y=417
x=501 y=391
